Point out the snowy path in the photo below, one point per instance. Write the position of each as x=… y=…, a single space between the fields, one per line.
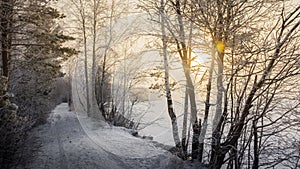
x=71 y=142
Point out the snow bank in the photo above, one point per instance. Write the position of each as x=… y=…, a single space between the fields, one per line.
x=117 y=140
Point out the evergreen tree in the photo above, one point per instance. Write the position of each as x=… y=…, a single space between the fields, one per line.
x=32 y=49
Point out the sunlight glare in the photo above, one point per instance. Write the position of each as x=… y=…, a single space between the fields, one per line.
x=220 y=46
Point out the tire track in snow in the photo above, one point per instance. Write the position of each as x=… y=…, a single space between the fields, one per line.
x=62 y=156
x=77 y=150
x=65 y=145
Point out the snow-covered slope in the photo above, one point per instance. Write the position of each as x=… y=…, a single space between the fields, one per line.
x=72 y=140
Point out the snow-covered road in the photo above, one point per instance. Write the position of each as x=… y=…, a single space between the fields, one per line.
x=71 y=141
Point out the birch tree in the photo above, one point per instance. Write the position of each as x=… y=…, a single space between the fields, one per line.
x=167 y=85
x=81 y=16
x=183 y=40
x=90 y=16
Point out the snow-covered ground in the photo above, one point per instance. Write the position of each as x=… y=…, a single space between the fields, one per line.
x=72 y=140
x=159 y=124
x=158 y=121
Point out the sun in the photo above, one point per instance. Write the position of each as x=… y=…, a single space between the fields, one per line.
x=220 y=46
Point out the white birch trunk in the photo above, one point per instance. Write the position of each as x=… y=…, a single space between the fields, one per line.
x=88 y=106
x=167 y=85
x=207 y=106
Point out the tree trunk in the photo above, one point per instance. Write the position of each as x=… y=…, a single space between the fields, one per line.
x=207 y=106
x=184 y=125
x=6 y=21
x=186 y=59
x=93 y=77
x=167 y=85
x=88 y=106
x=218 y=161
x=102 y=85
x=255 y=146
x=192 y=97
x=195 y=143
x=103 y=74
x=220 y=90
x=217 y=121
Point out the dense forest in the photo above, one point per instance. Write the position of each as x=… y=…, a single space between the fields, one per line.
x=227 y=70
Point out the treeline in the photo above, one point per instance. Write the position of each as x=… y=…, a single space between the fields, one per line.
x=31 y=53
x=100 y=78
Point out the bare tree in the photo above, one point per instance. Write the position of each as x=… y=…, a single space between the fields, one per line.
x=259 y=80
x=167 y=85
x=183 y=40
x=81 y=15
